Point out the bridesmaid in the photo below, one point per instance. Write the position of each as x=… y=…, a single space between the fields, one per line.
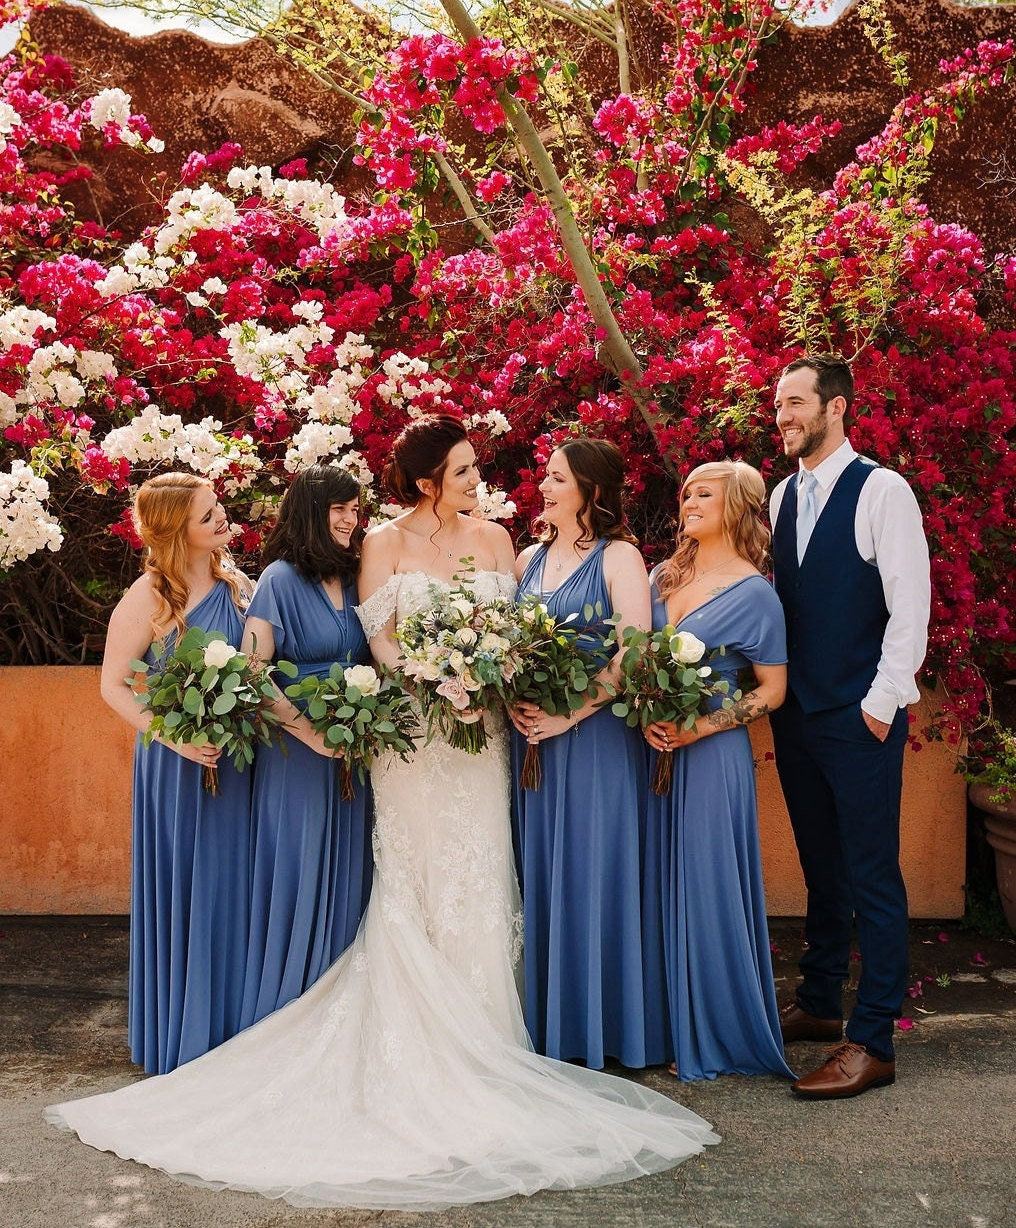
x=190 y=851
x=593 y=977
x=311 y=863
x=704 y=833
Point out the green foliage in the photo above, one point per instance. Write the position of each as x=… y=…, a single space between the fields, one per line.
x=200 y=695
x=357 y=722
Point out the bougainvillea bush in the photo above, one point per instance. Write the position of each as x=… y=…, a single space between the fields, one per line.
x=267 y=322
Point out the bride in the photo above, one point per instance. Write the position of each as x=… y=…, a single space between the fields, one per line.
x=404 y=1078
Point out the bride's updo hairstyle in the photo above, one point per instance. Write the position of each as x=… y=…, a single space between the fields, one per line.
x=420 y=453
x=744 y=495
x=598 y=468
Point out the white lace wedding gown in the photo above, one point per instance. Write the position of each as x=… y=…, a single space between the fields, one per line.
x=404 y=1077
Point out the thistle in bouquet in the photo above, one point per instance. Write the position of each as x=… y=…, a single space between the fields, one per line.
x=205 y=692
x=458 y=657
x=555 y=672
x=359 y=713
x=663 y=678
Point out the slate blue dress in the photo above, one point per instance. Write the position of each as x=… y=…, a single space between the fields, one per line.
x=703 y=838
x=189 y=889
x=593 y=958
x=311 y=862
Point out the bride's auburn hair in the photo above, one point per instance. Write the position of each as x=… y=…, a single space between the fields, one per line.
x=744 y=494
x=161 y=510
x=421 y=452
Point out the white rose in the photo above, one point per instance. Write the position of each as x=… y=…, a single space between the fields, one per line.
x=364 y=678
x=686 y=648
x=456 y=661
x=462 y=607
x=219 y=654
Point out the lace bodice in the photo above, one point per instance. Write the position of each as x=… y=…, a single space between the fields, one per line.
x=406 y=592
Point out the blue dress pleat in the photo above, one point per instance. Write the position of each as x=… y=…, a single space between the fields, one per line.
x=706 y=862
x=310 y=853
x=593 y=958
x=189 y=890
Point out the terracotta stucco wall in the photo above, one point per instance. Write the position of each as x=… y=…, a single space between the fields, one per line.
x=65 y=779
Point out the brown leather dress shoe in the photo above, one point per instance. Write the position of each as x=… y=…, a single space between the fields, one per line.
x=797 y=1024
x=849 y=1070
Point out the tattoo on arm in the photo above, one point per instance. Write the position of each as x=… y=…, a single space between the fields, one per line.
x=741 y=712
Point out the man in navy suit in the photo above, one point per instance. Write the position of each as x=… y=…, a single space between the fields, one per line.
x=850 y=564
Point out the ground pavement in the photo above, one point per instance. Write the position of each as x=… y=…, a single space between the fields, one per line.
x=938 y=1148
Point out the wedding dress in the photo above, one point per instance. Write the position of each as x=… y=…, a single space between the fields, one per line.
x=404 y=1078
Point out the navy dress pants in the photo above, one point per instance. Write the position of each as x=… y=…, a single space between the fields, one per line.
x=842 y=787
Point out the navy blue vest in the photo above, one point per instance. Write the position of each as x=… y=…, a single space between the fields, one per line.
x=835 y=607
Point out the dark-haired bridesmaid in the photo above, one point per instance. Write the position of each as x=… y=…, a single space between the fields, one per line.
x=593 y=971
x=311 y=863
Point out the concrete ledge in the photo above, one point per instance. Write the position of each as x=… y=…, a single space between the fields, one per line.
x=65 y=791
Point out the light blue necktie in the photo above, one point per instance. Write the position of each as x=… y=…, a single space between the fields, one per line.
x=807 y=510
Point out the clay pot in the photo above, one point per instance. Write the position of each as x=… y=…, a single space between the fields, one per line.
x=1000 y=825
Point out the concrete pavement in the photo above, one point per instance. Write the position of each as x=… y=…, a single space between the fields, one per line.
x=937 y=1149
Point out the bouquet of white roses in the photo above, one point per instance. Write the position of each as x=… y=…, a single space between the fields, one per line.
x=458 y=655
x=359 y=713
x=554 y=672
x=207 y=693
x=663 y=679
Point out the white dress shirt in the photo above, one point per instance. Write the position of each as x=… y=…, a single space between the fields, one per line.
x=889 y=534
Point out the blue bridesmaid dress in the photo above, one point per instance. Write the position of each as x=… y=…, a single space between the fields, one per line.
x=189 y=890
x=703 y=837
x=311 y=863
x=593 y=956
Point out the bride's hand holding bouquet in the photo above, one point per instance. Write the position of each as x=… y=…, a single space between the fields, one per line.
x=458 y=656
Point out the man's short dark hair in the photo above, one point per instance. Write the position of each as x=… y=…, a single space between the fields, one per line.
x=833 y=377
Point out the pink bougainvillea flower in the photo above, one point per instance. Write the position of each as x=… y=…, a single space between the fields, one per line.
x=905 y=1025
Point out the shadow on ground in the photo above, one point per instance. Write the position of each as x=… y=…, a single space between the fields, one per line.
x=937 y=1149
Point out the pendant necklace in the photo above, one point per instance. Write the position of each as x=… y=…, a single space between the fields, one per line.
x=702 y=574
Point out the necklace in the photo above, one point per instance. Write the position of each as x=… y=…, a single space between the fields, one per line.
x=576 y=546
x=702 y=574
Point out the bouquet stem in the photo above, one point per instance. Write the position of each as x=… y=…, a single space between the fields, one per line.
x=663 y=773
x=346 y=781
x=470 y=736
x=531 y=776
x=210 y=779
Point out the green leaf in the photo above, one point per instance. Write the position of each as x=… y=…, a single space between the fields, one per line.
x=193 y=701
x=224 y=703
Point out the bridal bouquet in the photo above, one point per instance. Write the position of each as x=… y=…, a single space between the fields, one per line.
x=459 y=655
x=663 y=679
x=555 y=672
x=360 y=715
x=205 y=692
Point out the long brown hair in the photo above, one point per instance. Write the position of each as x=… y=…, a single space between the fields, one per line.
x=161 y=508
x=744 y=495
x=598 y=468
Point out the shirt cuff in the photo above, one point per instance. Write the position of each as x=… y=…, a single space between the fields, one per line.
x=881 y=705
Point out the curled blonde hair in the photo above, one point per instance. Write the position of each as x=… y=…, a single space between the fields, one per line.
x=161 y=509
x=744 y=495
